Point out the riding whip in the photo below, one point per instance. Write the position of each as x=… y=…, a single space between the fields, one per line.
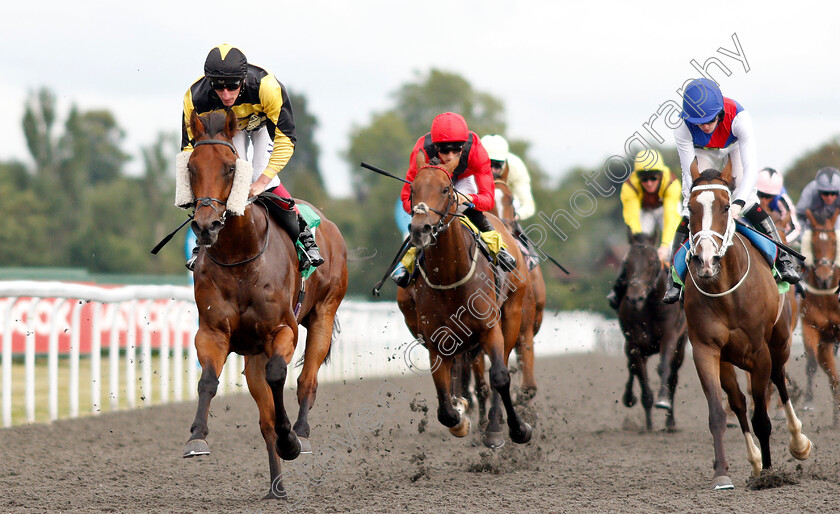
x=783 y=246
x=522 y=237
x=166 y=239
x=382 y=172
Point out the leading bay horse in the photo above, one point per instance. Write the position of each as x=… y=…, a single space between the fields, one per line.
x=736 y=317
x=650 y=327
x=454 y=308
x=820 y=310
x=247 y=291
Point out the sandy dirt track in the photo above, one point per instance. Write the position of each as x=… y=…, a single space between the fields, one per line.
x=381 y=450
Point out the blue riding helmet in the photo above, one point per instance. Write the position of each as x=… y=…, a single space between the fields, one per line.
x=702 y=101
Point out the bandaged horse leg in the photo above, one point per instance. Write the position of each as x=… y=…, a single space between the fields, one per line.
x=762 y=221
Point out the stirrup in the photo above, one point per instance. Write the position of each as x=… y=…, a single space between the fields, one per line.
x=505 y=260
x=787 y=273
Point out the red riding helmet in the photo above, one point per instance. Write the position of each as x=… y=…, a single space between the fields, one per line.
x=449 y=127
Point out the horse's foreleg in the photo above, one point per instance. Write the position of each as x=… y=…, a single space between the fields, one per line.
x=647 y=394
x=759 y=376
x=212 y=354
x=629 y=399
x=810 y=339
x=800 y=445
x=519 y=431
x=673 y=378
x=258 y=386
x=738 y=404
x=451 y=414
x=482 y=388
x=318 y=341
x=707 y=363
x=667 y=351
x=825 y=356
x=288 y=445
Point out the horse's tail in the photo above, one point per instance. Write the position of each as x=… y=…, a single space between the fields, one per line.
x=336 y=333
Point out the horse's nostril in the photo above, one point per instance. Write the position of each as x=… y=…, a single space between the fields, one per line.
x=216 y=226
x=426 y=229
x=716 y=260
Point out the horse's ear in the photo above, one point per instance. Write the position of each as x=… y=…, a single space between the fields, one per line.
x=231 y=124
x=726 y=172
x=694 y=169
x=451 y=165
x=196 y=126
x=811 y=218
x=420 y=159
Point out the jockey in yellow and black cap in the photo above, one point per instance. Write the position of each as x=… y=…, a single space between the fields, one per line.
x=266 y=122
x=650 y=200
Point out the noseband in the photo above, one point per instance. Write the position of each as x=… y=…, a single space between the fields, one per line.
x=726 y=237
x=207 y=201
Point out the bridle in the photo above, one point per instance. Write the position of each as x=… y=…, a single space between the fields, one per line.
x=726 y=241
x=423 y=208
x=650 y=284
x=207 y=201
x=728 y=234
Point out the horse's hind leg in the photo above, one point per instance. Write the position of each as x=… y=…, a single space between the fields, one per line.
x=261 y=392
x=810 y=339
x=673 y=378
x=800 y=445
x=288 y=445
x=482 y=388
x=212 y=355
x=825 y=356
x=525 y=352
x=318 y=342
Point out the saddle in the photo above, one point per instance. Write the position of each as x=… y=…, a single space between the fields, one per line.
x=283 y=211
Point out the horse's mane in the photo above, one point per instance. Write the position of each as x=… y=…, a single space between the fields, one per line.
x=214 y=122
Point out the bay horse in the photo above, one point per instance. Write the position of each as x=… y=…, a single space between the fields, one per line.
x=248 y=294
x=453 y=307
x=504 y=210
x=736 y=317
x=820 y=310
x=650 y=327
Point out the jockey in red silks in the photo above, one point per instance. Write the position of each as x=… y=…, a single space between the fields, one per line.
x=451 y=140
x=714 y=128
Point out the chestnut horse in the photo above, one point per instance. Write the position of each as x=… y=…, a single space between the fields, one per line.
x=649 y=327
x=736 y=317
x=820 y=310
x=454 y=307
x=247 y=286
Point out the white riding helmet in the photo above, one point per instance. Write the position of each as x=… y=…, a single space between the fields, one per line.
x=828 y=180
x=769 y=182
x=496 y=146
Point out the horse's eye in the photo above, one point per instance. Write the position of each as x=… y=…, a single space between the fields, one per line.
x=445 y=190
x=231 y=169
x=726 y=208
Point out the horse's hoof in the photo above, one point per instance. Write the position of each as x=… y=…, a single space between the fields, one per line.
x=663 y=404
x=527 y=394
x=629 y=400
x=522 y=437
x=305 y=445
x=293 y=453
x=802 y=450
x=462 y=428
x=461 y=404
x=275 y=495
x=722 y=482
x=493 y=439
x=196 y=447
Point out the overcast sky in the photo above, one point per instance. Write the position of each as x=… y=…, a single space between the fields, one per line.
x=577 y=79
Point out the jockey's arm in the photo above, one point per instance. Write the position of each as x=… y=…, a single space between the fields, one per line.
x=278 y=110
x=631 y=203
x=685 y=149
x=520 y=185
x=671 y=212
x=796 y=231
x=742 y=128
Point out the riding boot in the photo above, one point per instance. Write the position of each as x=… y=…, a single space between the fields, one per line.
x=784 y=264
x=619 y=288
x=191 y=261
x=505 y=260
x=674 y=292
x=311 y=255
x=401 y=276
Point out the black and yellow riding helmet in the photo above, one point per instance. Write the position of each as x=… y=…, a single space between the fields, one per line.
x=225 y=62
x=649 y=163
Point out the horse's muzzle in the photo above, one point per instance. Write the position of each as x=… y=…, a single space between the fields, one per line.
x=707 y=267
x=206 y=234
x=421 y=234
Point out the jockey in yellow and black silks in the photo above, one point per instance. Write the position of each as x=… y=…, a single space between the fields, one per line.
x=650 y=200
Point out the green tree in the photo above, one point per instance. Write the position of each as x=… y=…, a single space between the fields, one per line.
x=805 y=168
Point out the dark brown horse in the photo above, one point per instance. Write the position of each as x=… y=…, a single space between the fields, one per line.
x=454 y=307
x=246 y=290
x=736 y=317
x=820 y=310
x=650 y=327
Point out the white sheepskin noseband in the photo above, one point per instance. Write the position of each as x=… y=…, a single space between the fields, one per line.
x=238 y=198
